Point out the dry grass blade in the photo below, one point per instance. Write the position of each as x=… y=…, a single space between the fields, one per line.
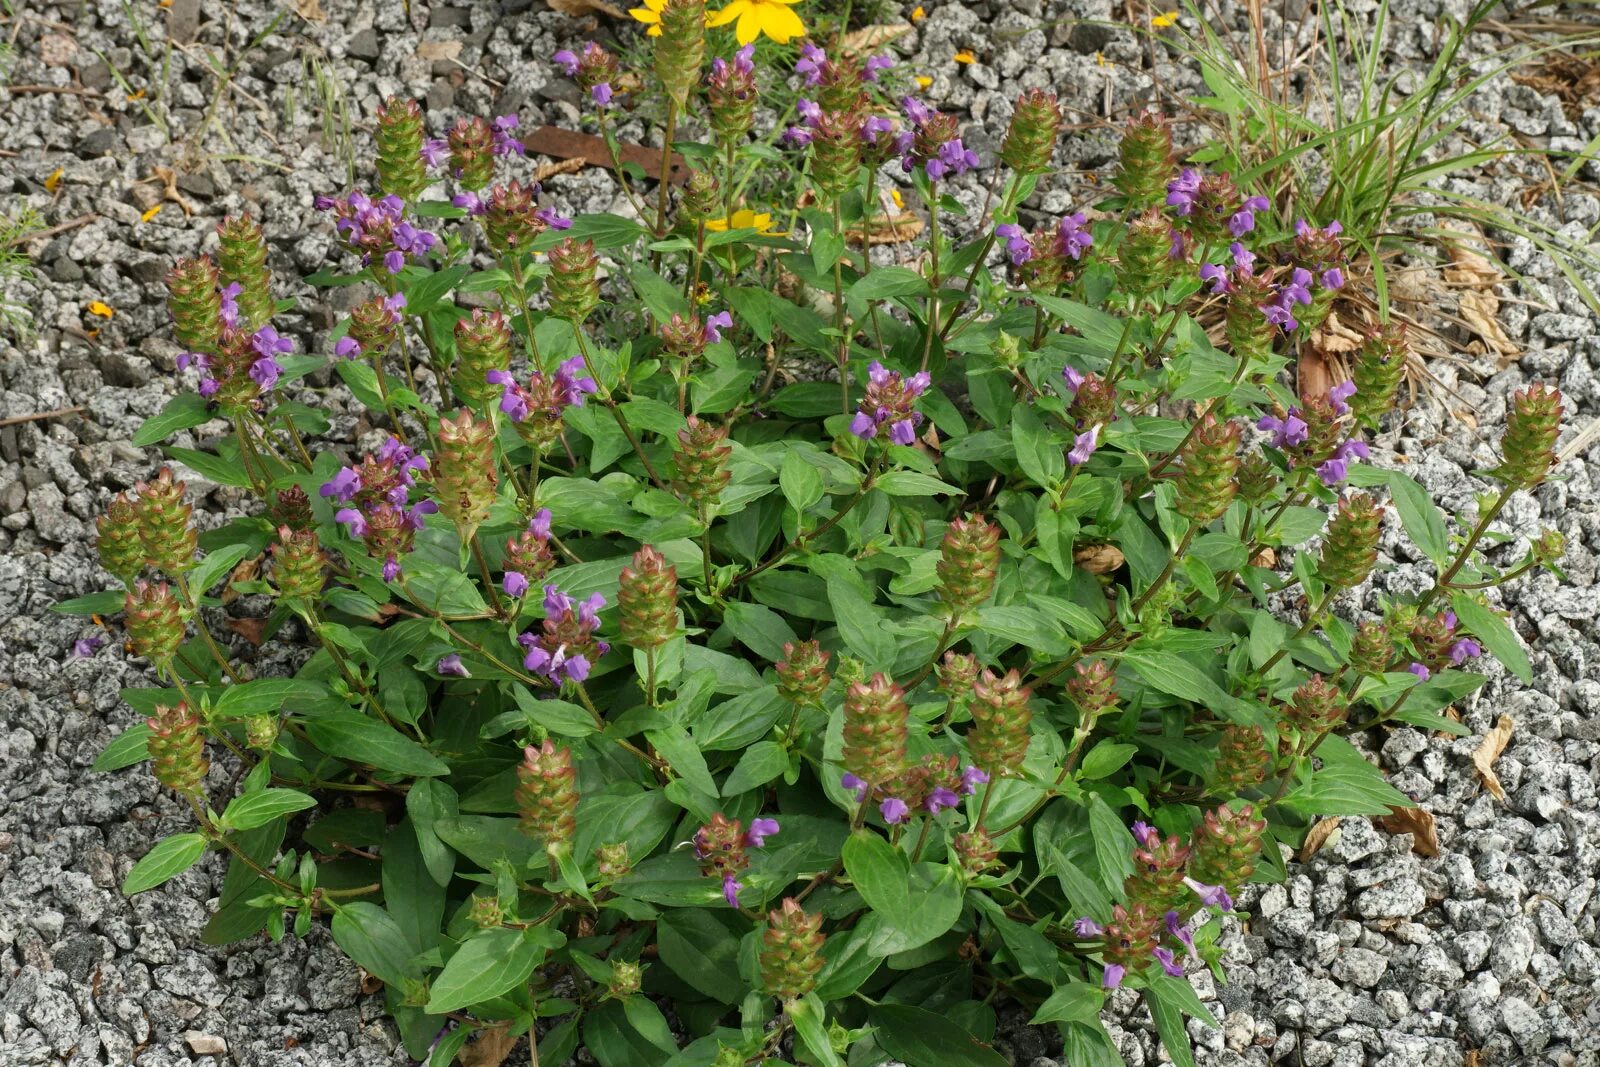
x=869 y=37
x=1318 y=836
x=546 y=171
x=1418 y=822
x=887 y=229
x=1574 y=80
x=1484 y=755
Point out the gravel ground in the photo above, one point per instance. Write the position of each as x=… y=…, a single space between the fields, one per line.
x=1485 y=954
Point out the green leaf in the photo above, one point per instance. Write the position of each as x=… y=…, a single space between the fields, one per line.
x=911 y=483
x=810 y=1027
x=1423 y=521
x=1106 y=758
x=883 y=283
x=411 y=891
x=800 y=481
x=1495 y=633
x=921 y=1038
x=371 y=937
x=679 y=748
x=916 y=903
x=1040 y=457
x=257 y=809
x=1345 y=784
x=700 y=948
x=760 y=764
x=1172 y=673
x=759 y=628
x=1168 y=1017
x=130 y=747
x=428 y=802
x=103 y=603
x=862 y=625
x=170 y=858
x=849 y=960
x=182 y=412
x=1074 y=1002
x=1113 y=844
x=209 y=571
x=213 y=468
x=488 y=964
x=349 y=735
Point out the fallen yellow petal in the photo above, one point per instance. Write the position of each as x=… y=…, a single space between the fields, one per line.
x=54 y=180
x=899 y=201
x=1165 y=19
x=150 y=214
x=101 y=309
x=136 y=96
x=965 y=56
x=917 y=13
x=923 y=81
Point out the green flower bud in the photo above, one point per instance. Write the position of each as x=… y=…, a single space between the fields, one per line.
x=511 y=218
x=1257 y=478
x=573 y=287
x=612 y=861
x=485 y=912
x=1158 y=870
x=155 y=621
x=701 y=197
x=875 y=727
x=1528 y=448
x=177 y=749
x=956 y=674
x=1226 y=846
x=1350 y=546
x=261 y=731
x=1001 y=718
x=1093 y=689
x=242 y=259
x=464 y=472
x=836 y=153
x=647 y=600
x=791 y=951
x=1248 y=332
x=1317 y=707
x=975 y=851
x=166 y=528
x=1144 y=261
x=471 y=153
x=1145 y=162
x=1031 y=138
x=803 y=673
x=969 y=562
x=194 y=298
x=297 y=559
x=401 y=170
x=625 y=978
x=1379 y=367
x=1208 y=475
x=483 y=345
x=547 y=795
x=120 y=546
x=681 y=48
x=1372 y=649
x=1243 y=760
x=701 y=462
x=1131 y=935
x=292 y=508
x=1549 y=547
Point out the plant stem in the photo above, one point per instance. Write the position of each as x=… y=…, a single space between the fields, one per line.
x=1466 y=549
x=488 y=576
x=616 y=412
x=842 y=357
x=930 y=327
x=801 y=539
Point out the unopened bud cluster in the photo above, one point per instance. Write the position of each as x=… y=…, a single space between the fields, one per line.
x=547 y=795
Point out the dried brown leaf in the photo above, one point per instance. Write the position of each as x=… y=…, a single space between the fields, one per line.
x=580 y=8
x=564 y=144
x=868 y=38
x=1098 y=559
x=435 y=50
x=491 y=1048
x=1334 y=337
x=252 y=630
x=1413 y=285
x=310 y=10
x=546 y=171
x=887 y=229
x=1312 y=373
x=1318 y=836
x=1418 y=822
x=1265 y=558
x=1483 y=757
x=1479 y=310
x=244 y=572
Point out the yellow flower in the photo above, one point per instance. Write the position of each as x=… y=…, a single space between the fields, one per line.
x=152 y=213
x=744 y=219
x=54 y=180
x=756 y=17
x=1100 y=59
x=1164 y=20
x=98 y=308
x=923 y=81
x=918 y=14
x=650 y=15
x=964 y=56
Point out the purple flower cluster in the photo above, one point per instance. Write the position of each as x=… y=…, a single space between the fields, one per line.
x=1461 y=649
x=375 y=495
x=932 y=143
x=1072 y=239
x=594 y=69
x=743 y=63
x=514 y=582
x=378 y=228
x=814 y=68
x=890 y=400
x=544 y=395
x=452 y=665
x=347 y=347
x=895 y=810
x=563 y=650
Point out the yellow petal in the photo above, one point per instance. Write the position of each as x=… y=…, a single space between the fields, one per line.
x=1164 y=20
x=728 y=14
x=918 y=14
x=717 y=225
x=644 y=14
x=923 y=81
x=98 y=308
x=54 y=180
x=964 y=56
x=653 y=31
x=152 y=213
x=781 y=24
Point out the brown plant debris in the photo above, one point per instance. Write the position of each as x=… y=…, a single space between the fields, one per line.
x=1098 y=559
x=1318 y=836
x=1418 y=822
x=1483 y=757
x=1475 y=276
x=1574 y=80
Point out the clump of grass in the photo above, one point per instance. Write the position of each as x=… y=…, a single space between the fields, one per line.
x=16 y=267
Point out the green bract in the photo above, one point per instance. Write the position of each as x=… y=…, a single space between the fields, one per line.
x=823 y=646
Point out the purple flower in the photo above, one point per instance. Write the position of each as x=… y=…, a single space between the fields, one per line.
x=1073 y=378
x=1018 y=247
x=744 y=60
x=1332 y=278
x=1180 y=931
x=601 y=94
x=1073 y=235
x=539 y=525
x=1297 y=290
x=550 y=218
x=856 y=786
x=1182 y=189
x=435 y=152
x=208 y=387
x=1244 y=220
x=574 y=385
x=1286 y=432
x=1339 y=396
x=1243 y=258
x=876 y=126
x=1113 y=978
x=1216 y=275
x=411 y=240
x=1083 y=447
x=875 y=66
x=1212 y=896
x=903 y=432
x=347 y=347
x=971 y=778
x=797 y=136
x=760 y=830
x=193 y=359
x=716 y=324
x=809 y=110
x=353 y=519
x=940 y=799
x=1464 y=649
x=414 y=517
x=567 y=60
x=809 y=65
x=1168 y=962
x=1142 y=832
x=86 y=646
x=1420 y=671
x=451 y=664
x=1281 y=317
x=1450 y=620
x=230 y=304
x=894 y=811
x=394 y=261
x=863 y=426
x=504 y=143
x=1336 y=468
x=1087 y=927
x=264 y=372
x=514 y=583
x=391 y=569
x=268 y=343
x=468 y=202
x=730 y=890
